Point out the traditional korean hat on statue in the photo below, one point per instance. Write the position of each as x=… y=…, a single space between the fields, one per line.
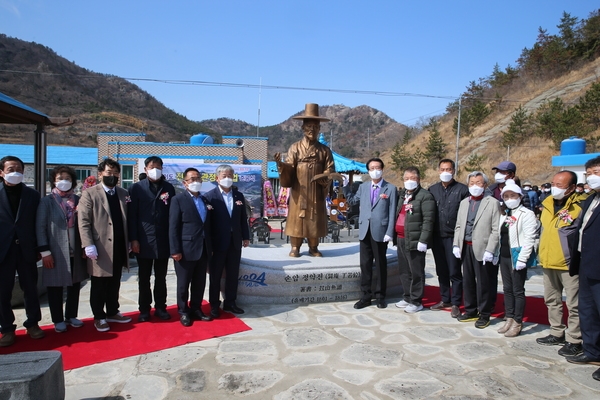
x=311 y=111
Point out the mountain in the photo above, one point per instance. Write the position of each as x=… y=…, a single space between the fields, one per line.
x=105 y=103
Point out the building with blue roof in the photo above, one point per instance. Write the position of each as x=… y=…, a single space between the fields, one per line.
x=573 y=157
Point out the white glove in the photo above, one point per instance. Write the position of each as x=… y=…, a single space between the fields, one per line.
x=422 y=247
x=520 y=265
x=488 y=257
x=456 y=252
x=91 y=252
x=386 y=238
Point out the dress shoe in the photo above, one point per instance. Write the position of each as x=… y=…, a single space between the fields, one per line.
x=550 y=340
x=582 y=359
x=381 y=303
x=161 y=313
x=200 y=316
x=314 y=252
x=362 y=304
x=214 y=312
x=7 y=339
x=596 y=374
x=185 y=320
x=233 y=308
x=440 y=306
x=504 y=328
x=35 y=332
x=295 y=252
x=144 y=317
x=570 y=349
x=455 y=312
x=514 y=330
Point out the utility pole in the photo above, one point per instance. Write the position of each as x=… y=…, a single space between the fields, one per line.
x=331 y=146
x=458 y=132
x=369 y=141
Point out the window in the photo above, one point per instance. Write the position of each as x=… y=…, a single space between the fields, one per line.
x=82 y=174
x=126 y=176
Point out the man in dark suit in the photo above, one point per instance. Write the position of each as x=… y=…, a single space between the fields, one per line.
x=102 y=223
x=228 y=237
x=148 y=221
x=376 y=228
x=18 y=206
x=190 y=244
x=586 y=254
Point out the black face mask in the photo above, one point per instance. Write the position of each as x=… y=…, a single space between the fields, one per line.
x=110 y=181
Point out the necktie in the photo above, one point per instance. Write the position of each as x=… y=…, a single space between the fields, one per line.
x=374 y=194
x=111 y=191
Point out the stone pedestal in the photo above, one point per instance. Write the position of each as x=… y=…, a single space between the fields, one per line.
x=32 y=375
x=268 y=275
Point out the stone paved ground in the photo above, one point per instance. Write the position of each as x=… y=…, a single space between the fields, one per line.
x=332 y=351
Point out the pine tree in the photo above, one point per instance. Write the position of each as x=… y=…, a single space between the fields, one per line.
x=436 y=147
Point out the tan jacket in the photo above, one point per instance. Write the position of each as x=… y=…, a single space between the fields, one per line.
x=95 y=227
x=486 y=232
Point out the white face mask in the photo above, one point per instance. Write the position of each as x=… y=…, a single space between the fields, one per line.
x=446 y=176
x=558 y=193
x=546 y=190
x=476 y=191
x=410 y=185
x=375 y=173
x=226 y=182
x=64 y=185
x=512 y=203
x=527 y=188
x=194 y=186
x=14 y=178
x=500 y=178
x=593 y=181
x=154 y=174
x=587 y=190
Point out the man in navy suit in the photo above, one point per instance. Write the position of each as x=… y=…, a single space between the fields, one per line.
x=229 y=234
x=148 y=224
x=18 y=206
x=586 y=254
x=376 y=228
x=190 y=243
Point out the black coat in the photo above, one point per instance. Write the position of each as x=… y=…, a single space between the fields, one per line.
x=585 y=263
x=447 y=201
x=148 y=218
x=22 y=226
x=228 y=229
x=187 y=233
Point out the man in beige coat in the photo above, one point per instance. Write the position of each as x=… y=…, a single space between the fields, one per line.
x=102 y=226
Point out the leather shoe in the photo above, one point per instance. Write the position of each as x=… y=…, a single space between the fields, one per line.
x=455 y=312
x=440 y=306
x=582 y=359
x=163 y=314
x=35 y=332
x=381 y=303
x=362 y=304
x=144 y=317
x=214 y=312
x=233 y=308
x=596 y=375
x=7 y=339
x=200 y=316
x=185 y=320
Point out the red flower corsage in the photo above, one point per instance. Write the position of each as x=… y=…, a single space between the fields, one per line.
x=127 y=199
x=408 y=207
x=565 y=217
x=239 y=203
x=164 y=197
x=384 y=196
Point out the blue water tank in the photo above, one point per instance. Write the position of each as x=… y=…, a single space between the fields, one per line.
x=201 y=138
x=571 y=146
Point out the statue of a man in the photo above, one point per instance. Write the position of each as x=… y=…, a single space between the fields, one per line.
x=307 y=158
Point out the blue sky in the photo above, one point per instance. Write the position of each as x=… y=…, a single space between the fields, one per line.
x=432 y=48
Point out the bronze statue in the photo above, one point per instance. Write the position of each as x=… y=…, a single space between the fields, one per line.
x=307 y=158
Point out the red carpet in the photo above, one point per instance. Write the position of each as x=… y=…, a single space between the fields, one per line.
x=535 y=308
x=85 y=346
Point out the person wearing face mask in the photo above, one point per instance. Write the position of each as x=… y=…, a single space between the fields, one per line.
x=102 y=225
x=190 y=218
x=560 y=214
x=518 y=231
x=586 y=254
x=414 y=224
x=503 y=171
x=448 y=193
x=476 y=243
x=229 y=235
x=532 y=196
x=377 y=202
x=18 y=249
x=60 y=246
x=148 y=228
